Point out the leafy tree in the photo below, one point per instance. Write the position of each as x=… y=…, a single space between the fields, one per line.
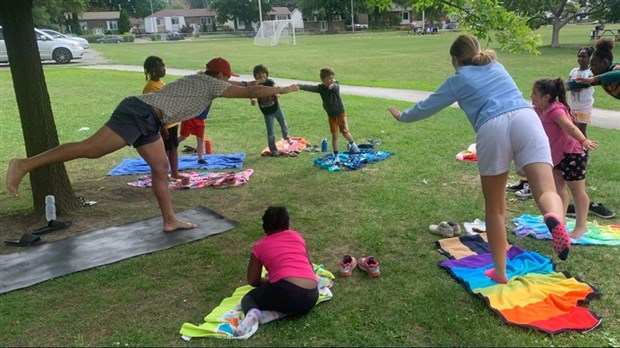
x=324 y=9
x=245 y=11
x=558 y=13
x=135 y=8
x=58 y=14
x=490 y=21
x=123 y=23
x=33 y=102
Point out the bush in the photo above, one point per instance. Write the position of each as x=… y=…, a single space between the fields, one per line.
x=92 y=38
x=128 y=37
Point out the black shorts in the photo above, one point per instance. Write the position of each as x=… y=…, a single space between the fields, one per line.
x=135 y=121
x=173 y=139
x=573 y=166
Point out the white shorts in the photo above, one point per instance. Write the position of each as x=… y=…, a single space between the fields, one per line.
x=516 y=135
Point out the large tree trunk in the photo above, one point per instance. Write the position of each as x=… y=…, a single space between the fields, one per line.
x=555 y=33
x=35 y=111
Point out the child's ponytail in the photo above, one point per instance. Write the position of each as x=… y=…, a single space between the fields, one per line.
x=561 y=92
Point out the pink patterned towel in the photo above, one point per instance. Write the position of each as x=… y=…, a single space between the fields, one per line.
x=202 y=179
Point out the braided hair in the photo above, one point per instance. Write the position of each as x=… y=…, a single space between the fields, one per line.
x=150 y=64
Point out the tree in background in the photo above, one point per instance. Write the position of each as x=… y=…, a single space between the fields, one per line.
x=59 y=15
x=558 y=13
x=324 y=9
x=123 y=22
x=33 y=102
x=244 y=11
x=489 y=21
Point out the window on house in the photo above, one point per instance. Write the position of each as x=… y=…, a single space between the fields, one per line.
x=405 y=16
x=84 y=26
x=112 y=25
x=337 y=17
x=206 y=20
x=160 y=21
x=174 y=20
x=281 y=17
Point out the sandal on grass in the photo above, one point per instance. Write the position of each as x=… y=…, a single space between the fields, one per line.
x=27 y=239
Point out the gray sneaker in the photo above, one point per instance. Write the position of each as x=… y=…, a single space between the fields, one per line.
x=525 y=193
x=353 y=148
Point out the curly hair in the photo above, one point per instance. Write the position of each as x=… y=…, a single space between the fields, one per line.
x=603 y=48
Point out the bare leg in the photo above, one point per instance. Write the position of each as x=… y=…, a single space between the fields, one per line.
x=561 y=189
x=582 y=204
x=103 y=142
x=155 y=155
x=200 y=148
x=494 y=214
x=542 y=183
x=335 y=141
x=348 y=136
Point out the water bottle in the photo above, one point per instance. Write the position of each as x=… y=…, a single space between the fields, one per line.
x=324 y=145
x=208 y=149
x=50 y=208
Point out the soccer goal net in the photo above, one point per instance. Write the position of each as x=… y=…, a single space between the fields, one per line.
x=272 y=33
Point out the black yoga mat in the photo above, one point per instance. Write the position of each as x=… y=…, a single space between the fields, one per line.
x=35 y=264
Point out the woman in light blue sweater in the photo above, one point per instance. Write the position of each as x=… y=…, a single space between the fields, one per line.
x=507 y=129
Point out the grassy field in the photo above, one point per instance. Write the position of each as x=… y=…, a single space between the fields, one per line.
x=384 y=59
x=382 y=210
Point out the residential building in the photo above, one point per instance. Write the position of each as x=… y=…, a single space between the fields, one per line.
x=99 y=23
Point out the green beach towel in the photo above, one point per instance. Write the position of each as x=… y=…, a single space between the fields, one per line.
x=224 y=319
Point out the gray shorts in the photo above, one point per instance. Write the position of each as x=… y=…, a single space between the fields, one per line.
x=516 y=135
x=135 y=121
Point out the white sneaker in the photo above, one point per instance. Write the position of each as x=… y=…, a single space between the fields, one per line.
x=524 y=193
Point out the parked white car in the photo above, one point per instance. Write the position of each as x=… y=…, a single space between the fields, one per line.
x=60 y=50
x=57 y=35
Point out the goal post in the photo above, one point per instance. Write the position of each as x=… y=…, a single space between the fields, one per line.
x=272 y=33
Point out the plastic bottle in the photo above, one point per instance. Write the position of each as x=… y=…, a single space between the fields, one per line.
x=324 y=145
x=50 y=208
x=208 y=149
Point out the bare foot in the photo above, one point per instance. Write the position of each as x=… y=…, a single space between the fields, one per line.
x=14 y=176
x=577 y=232
x=178 y=225
x=184 y=178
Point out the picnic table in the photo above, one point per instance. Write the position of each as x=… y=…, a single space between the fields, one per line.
x=597 y=34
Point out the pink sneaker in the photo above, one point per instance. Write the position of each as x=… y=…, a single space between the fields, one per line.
x=370 y=265
x=347 y=265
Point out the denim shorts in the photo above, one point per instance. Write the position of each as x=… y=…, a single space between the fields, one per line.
x=135 y=121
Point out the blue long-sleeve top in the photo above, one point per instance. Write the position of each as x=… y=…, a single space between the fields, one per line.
x=483 y=92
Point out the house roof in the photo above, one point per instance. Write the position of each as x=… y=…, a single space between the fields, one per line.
x=279 y=11
x=192 y=12
x=100 y=15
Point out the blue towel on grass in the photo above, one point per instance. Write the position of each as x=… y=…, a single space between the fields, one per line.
x=350 y=161
x=131 y=166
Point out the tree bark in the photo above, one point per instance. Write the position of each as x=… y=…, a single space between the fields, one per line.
x=33 y=102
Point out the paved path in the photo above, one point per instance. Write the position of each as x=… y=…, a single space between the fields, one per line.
x=601 y=117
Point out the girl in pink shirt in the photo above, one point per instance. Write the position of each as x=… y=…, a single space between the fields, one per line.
x=567 y=144
x=291 y=286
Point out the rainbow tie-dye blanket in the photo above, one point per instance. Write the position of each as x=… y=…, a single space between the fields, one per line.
x=531 y=225
x=224 y=319
x=536 y=296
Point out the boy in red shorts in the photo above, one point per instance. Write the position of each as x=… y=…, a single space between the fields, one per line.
x=196 y=126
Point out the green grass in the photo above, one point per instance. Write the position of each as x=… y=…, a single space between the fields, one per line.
x=378 y=59
x=383 y=210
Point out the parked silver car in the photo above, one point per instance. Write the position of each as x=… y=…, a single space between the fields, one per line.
x=56 y=35
x=60 y=50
